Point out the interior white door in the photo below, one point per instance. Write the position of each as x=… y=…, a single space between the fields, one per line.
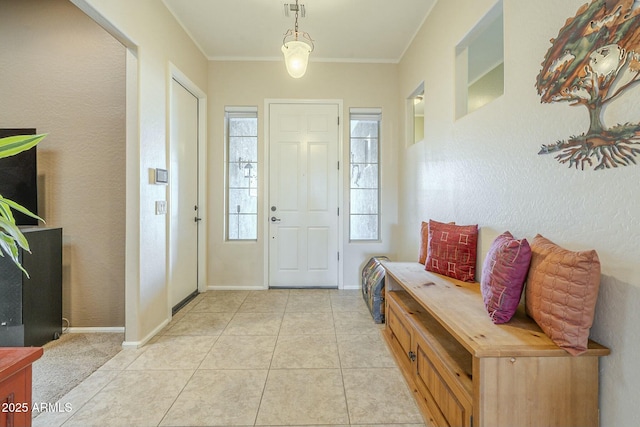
x=183 y=178
x=303 y=195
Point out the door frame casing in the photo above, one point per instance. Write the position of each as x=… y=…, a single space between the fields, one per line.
x=182 y=79
x=266 y=173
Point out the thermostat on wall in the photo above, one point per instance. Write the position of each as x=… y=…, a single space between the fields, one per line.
x=162 y=176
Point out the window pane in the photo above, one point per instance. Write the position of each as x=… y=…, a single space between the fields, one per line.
x=364 y=176
x=243 y=126
x=364 y=150
x=364 y=128
x=364 y=227
x=364 y=201
x=241 y=201
x=243 y=175
x=243 y=149
x=243 y=227
x=248 y=227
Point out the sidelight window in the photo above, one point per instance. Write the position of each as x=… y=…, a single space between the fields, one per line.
x=242 y=172
x=364 y=188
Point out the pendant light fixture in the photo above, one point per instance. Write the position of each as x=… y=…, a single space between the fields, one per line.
x=296 y=45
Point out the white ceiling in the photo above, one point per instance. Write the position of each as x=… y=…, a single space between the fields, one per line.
x=343 y=30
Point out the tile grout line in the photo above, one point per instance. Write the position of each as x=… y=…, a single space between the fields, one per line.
x=336 y=305
x=75 y=411
x=264 y=387
x=344 y=388
x=199 y=365
x=192 y=374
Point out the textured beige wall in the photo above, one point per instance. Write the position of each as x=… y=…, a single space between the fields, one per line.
x=484 y=169
x=64 y=75
x=250 y=83
x=159 y=43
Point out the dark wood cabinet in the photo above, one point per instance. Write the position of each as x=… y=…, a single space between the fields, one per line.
x=31 y=308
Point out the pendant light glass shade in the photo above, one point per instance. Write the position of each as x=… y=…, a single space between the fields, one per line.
x=296 y=57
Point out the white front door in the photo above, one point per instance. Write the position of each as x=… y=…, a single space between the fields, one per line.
x=183 y=178
x=303 y=195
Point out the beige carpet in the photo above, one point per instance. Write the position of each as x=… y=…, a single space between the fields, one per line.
x=69 y=360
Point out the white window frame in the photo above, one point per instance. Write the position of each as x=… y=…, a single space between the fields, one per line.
x=252 y=187
x=366 y=114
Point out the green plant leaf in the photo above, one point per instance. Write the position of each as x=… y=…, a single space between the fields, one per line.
x=12 y=230
x=20 y=208
x=8 y=246
x=5 y=211
x=12 y=145
x=11 y=238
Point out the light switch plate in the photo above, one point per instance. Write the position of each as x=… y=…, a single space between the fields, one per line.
x=161 y=176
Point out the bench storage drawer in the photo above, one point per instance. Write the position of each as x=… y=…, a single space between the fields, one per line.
x=448 y=399
x=400 y=328
x=444 y=388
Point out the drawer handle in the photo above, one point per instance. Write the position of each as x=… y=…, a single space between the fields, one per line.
x=412 y=356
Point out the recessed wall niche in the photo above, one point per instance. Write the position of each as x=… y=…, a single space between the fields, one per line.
x=415 y=115
x=480 y=63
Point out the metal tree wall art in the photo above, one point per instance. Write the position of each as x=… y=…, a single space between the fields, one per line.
x=594 y=60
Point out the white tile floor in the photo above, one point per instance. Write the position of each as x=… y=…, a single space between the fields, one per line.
x=245 y=358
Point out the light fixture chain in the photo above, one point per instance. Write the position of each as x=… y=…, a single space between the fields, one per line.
x=296 y=25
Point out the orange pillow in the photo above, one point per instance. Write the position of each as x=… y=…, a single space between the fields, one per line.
x=424 y=239
x=561 y=292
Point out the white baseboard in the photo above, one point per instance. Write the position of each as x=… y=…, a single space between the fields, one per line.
x=262 y=288
x=95 y=330
x=235 y=288
x=143 y=341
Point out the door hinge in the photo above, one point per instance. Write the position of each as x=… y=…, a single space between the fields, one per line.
x=338 y=211
x=338 y=120
x=338 y=256
x=338 y=164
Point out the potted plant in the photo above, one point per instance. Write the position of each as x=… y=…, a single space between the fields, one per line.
x=11 y=238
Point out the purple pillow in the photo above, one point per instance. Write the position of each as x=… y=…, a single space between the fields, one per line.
x=503 y=274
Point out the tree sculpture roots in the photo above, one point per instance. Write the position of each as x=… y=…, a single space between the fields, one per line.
x=618 y=146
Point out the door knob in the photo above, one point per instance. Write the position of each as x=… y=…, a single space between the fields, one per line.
x=274 y=219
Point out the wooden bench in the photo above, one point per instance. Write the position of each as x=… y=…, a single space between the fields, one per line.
x=466 y=371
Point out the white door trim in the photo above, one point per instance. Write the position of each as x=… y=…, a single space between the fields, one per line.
x=180 y=77
x=265 y=180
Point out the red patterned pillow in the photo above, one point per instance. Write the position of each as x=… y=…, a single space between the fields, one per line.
x=424 y=241
x=503 y=274
x=452 y=250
